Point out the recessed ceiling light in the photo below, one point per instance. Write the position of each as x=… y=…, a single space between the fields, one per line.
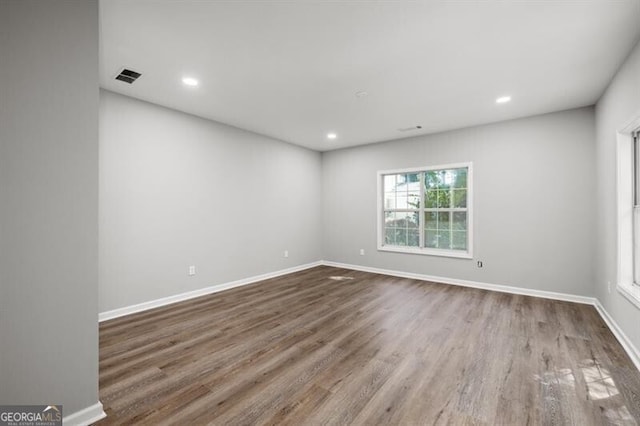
x=331 y=136
x=189 y=81
x=503 y=99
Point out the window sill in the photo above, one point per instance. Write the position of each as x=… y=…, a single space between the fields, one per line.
x=631 y=292
x=427 y=252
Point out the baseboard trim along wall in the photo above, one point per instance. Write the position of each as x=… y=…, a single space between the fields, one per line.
x=85 y=416
x=467 y=283
x=626 y=343
x=624 y=340
x=127 y=310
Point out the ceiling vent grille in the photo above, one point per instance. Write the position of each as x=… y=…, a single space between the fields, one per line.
x=128 y=76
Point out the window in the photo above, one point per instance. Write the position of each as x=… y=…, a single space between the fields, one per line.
x=628 y=188
x=426 y=210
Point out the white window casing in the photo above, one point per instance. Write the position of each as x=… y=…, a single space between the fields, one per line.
x=421 y=246
x=627 y=253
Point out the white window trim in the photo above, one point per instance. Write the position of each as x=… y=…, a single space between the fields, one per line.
x=428 y=251
x=625 y=285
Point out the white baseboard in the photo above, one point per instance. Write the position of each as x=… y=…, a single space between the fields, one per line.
x=467 y=283
x=85 y=416
x=624 y=340
x=127 y=310
x=626 y=343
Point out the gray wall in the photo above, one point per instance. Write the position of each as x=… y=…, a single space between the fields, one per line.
x=533 y=190
x=620 y=102
x=49 y=203
x=177 y=190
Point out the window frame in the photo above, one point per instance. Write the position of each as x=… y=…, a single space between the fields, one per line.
x=625 y=210
x=635 y=205
x=467 y=254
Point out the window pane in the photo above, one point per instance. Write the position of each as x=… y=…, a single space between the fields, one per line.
x=389 y=200
x=389 y=236
x=431 y=239
x=407 y=182
x=443 y=220
x=401 y=219
x=413 y=237
x=402 y=191
x=431 y=220
x=448 y=178
x=459 y=198
x=444 y=199
x=431 y=179
x=401 y=229
x=431 y=199
x=408 y=220
x=401 y=237
x=412 y=220
x=460 y=180
x=389 y=183
x=459 y=221
x=390 y=219
x=412 y=178
x=444 y=239
x=459 y=240
x=413 y=199
x=437 y=239
x=401 y=201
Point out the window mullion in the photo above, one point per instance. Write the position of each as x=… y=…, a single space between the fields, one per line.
x=450 y=218
x=421 y=211
x=636 y=172
x=634 y=204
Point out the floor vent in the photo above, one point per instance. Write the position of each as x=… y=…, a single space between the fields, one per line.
x=128 y=76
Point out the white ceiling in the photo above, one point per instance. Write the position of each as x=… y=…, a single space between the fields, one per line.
x=290 y=70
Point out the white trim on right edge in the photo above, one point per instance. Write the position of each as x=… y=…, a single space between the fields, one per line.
x=625 y=176
x=85 y=416
x=626 y=343
x=632 y=293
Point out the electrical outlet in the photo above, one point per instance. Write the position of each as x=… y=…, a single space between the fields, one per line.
x=361 y=252
x=479 y=263
x=192 y=270
x=286 y=253
x=609 y=286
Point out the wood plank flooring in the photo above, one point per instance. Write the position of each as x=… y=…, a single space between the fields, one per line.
x=305 y=349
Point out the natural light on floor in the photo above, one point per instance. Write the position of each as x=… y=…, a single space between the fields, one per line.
x=599 y=385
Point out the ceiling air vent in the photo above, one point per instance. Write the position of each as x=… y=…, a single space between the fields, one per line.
x=408 y=129
x=128 y=76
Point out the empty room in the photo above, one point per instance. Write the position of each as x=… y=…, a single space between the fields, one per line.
x=319 y=212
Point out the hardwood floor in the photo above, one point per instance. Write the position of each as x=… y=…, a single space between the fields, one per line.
x=305 y=349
